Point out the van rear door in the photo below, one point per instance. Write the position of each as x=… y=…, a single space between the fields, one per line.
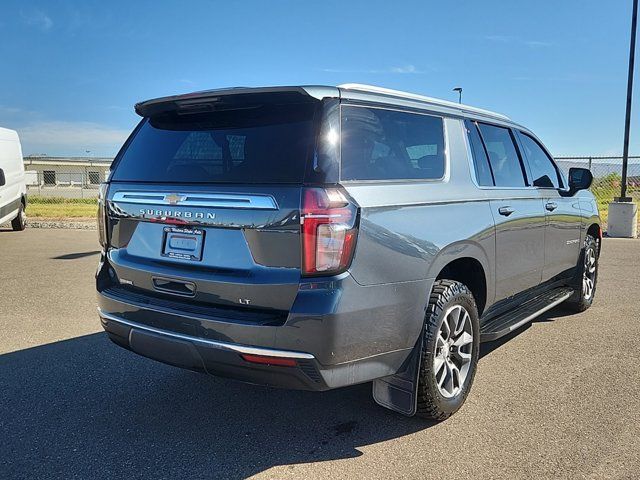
x=12 y=166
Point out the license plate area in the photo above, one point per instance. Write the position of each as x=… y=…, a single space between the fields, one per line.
x=183 y=243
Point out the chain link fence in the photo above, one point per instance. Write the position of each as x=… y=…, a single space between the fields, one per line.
x=65 y=178
x=67 y=181
x=63 y=188
x=607 y=177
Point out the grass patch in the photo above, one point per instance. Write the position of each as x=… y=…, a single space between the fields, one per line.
x=61 y=208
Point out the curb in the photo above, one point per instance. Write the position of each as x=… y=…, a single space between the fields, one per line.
x=66 y=224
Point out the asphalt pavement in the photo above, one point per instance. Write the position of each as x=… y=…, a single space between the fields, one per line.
x=560 y=398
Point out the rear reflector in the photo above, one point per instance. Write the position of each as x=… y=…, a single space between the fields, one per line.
x=266 y=360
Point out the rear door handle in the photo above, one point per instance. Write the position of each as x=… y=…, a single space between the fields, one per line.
x=551 y=206
x=506 y=211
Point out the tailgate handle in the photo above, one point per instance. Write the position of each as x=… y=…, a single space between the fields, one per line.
x=175 y=287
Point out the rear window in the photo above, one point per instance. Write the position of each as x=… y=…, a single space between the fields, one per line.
x=261 y=144
x=504 y=159
x=379 y=144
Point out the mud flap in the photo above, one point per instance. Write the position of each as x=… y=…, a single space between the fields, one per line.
x=399 y=392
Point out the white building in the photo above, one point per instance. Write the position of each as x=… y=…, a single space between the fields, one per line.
x=50 y=174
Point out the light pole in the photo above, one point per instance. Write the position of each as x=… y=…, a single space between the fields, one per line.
x=623 y=213
x=459 y=90
x=627 y=120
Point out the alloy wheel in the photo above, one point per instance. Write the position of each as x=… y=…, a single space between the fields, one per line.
x=454 y=345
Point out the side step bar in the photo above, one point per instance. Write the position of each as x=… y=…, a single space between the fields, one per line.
x=509 y=321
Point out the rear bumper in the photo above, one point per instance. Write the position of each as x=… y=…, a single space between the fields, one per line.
x=338 y=332
x=214 y=357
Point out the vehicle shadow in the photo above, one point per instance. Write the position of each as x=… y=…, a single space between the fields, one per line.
x=75 y=256
x=88 y=409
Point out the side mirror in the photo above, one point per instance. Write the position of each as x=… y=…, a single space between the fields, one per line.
x=2 y=179
x=579 y=179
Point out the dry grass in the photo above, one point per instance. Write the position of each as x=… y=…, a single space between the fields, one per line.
x=46 y=208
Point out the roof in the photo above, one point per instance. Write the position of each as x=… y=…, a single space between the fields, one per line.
x=208 y=100
x=387 y=92
x=72 y=161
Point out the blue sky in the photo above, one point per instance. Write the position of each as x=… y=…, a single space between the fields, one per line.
x=71 y=71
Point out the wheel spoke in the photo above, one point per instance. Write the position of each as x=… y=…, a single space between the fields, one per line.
x=443 y=376
x=460 y=352
x=445 y=330
x=462 y=340
x=454 y=320
x=456 y=382
x=438 y=362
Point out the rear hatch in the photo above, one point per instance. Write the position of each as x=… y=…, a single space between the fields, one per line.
x=203 y=205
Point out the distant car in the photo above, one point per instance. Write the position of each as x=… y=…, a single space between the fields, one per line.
x=318 y=237
x=13 y=190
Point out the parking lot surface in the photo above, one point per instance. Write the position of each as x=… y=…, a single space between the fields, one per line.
x=558 y=399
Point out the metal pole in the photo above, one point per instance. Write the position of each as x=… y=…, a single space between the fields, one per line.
x=459 y=90
x=627 y=121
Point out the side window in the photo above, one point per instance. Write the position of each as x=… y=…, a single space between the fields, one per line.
x=543 y=172
x=379 y=144
x=480 y=159
x=503 y=156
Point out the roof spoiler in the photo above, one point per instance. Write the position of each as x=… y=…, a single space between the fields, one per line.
x=232 y=98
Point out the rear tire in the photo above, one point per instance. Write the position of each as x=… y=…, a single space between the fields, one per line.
x=449 y=351
x=20 y=222
x=586 y=277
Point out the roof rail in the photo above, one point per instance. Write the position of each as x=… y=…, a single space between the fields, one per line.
x=412 y=96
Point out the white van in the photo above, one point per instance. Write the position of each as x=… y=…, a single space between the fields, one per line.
x=13 y=190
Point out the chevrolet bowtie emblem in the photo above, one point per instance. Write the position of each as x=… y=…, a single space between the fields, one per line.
x=174 y=198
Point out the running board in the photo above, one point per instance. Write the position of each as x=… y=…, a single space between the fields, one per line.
x=509 y=321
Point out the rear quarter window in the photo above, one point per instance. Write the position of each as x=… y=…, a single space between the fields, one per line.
x=380 y=144
x=503 y=156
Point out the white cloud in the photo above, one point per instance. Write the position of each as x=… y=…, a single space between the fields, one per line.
x=70 y=138
x=517 y=40
x=404 y=69
x=38 y=18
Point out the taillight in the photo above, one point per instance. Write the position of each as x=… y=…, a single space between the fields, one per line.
x=102 y=228
x=328 y=229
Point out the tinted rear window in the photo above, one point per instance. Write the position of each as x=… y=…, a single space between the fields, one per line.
x=380 y=144
x=505 y=162
x=262 y=144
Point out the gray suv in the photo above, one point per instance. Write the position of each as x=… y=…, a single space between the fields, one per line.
x=315 y=237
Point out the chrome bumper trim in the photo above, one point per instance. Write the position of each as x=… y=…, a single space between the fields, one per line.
x=234 y=347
